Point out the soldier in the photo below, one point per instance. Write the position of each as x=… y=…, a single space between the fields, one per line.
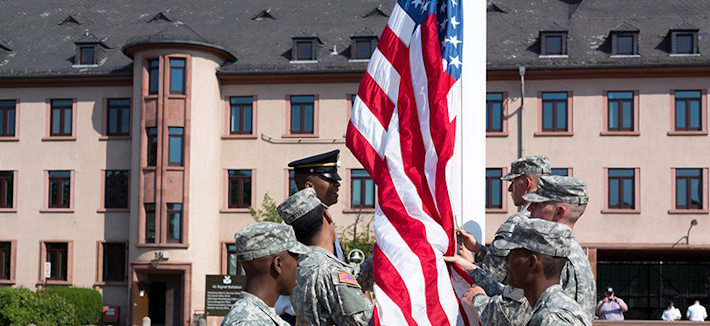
x=269 y=254
x=538 y=252
x=327 y=292
x=557 y=199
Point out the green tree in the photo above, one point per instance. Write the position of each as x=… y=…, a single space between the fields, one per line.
x=354 y=236
x=267 y=213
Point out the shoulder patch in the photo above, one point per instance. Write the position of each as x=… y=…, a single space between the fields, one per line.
x=347 y=278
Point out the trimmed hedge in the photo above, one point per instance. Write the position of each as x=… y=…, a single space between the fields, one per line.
x=21 y=306
x=87 y=303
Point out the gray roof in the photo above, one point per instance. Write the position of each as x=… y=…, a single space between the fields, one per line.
x=38 y=38
x=514 y=27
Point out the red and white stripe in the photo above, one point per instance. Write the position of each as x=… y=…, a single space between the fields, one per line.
x=402 y=130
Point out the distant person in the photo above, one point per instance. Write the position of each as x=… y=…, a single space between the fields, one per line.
x=269 y=254
x=696 y=312
x=672 y=313
x=611 y=307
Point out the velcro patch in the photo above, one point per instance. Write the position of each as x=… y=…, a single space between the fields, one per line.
x=346 y=278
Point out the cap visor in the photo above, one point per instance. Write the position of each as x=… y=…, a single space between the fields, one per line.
x=535 y=198
x=506 y=244
x=299 y=249
x=510 y=176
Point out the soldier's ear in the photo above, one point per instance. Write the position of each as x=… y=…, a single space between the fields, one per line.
x=560 y=211
x=533 y=260
x=276 y=265
x=327 y=216
x=308 y=184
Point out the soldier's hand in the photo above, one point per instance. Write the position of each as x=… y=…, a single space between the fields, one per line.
x=466 y=265
x=469 y=240
x=465 y=253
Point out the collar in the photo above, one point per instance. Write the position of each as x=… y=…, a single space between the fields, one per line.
x=542 y=300
x=321 y=251
x=256 y=301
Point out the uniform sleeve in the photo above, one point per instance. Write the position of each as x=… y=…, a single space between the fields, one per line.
x=495 y=266
x=510 y=308
x=485 y=281
x=346 y=302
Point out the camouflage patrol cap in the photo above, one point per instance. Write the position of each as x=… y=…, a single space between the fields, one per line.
x=266 y=238
x=544 y=237
x=560 y=189
x=298 y=204
x=528 y=165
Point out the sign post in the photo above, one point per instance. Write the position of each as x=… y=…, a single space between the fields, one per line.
x=47 y=275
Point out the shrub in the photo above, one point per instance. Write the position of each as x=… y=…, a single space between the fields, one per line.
x=21 y=306
x=87 y=303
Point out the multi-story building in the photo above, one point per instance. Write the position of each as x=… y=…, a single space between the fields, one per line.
x=614 y=93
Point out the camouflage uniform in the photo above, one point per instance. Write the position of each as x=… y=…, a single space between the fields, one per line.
x=250 y=310
x=507 y=305
x=555 y=308
x=256 y=241
x=327 y=292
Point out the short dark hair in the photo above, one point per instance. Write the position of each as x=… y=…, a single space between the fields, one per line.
x=308 y=225
x=552 y=265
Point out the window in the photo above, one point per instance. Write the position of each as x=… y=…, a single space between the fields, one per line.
x=57 y=255
x=174 y=222
x=362 y=189
x=495 y=115
x=688 y=114
x=620 y=111
x=86 y=55
x=555 y=112
x=114 y=262
x=622 y=192
x=304 y=51
x=177 y=76
x=292 y=188
x=689 y=189
x=149 y=222
x=239 y=188
x=175 y=156
x=7 y=189
x=61 y=117
x=241 y=112
x=553 y=43
x=624 y=44
x=118 y=121
x=6 y=261
x=684 y=42
x=302 y=114
x=116 y=189
x=152 y=146
x=362 y=48
x=59 y=189
x=153 y=76
x=560 y=172
x=7 y=118
x=233 y=265
x=494 y=188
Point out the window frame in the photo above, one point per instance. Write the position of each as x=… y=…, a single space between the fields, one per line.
x=172 y=69
x=636 y=193
x=106 y=119
x=176 y=136
x=156 y=224
x=48 y=136
x=674 y=42
x=289 y=133
x=169 y=214
x=82 y=60
x=703 y=114
x=224 y=262
x=13 y=208
x=351 y=183
x=615 y=44
x=102 y=254
x=226 y=208
x=606 y=131
x=674 y=193
x=104 y=189
x=540 y=116
x=355 y=45
x=150 y=69
x=503 y=191
x=544 y=36
x=4 y=111
x=504 y=116
x=569 y=171
x=240 y=180
x=12 y=252
x=46 y=207
x=44 y=255
x=296 y=55
x=227 y=133
x=152 y=149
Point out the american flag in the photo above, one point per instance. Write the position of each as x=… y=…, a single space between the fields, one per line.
x=402 y=130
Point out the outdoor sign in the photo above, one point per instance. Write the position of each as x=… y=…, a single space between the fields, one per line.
x=47 y=270
x=221 y=292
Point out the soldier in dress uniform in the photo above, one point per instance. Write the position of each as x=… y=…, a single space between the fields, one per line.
x=538 y=252
x=327 y=292
x=269 y=254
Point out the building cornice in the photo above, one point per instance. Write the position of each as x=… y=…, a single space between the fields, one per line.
x=66 y=81
x=289 y=78
x=532 y=73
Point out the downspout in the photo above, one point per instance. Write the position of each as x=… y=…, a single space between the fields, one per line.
x=521 y=70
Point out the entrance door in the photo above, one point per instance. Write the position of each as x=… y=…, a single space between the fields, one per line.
x=140 y=302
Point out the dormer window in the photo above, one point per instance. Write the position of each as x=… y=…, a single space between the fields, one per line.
x=87 y=55
x=89 y=50
x=684 y=39
x=624 y=40
x=363 y=45
x=553 y=41
x=305 y=46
